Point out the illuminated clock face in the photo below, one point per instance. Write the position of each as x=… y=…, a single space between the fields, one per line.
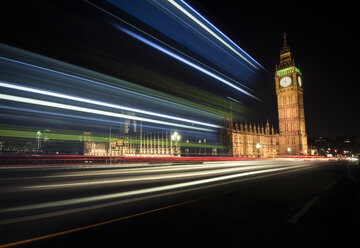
x=299 y=81
x=285 y=81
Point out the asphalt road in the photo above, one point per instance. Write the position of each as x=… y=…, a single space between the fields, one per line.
x=260 y=203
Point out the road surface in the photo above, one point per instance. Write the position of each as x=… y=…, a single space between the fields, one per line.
x=275 y=202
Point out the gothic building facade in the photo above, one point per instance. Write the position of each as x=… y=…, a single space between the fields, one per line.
x=254 y=141
x=291 y=139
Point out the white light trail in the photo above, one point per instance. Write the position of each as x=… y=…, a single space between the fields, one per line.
x=100 y=103
x=185 y=61
x=234 y=44
x=106 y=85
x=178 y=51
x=142 y=178
x=210 y=31
x=94 y=111
x=189 y=186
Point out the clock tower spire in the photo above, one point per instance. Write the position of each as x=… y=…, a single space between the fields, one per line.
x=285 y=46
x=285 y=56
x=289 y=91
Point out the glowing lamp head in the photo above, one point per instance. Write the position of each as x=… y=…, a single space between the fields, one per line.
x=175 y=136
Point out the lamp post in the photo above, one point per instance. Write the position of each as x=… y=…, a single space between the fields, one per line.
x=176 y=138
x=289 y=150
x=258 y=149
x=38 y=136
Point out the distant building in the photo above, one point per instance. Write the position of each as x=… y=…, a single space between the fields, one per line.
x=341 y=145
x=321 y=145
x=347 y=145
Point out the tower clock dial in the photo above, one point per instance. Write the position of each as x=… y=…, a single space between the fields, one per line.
x=285 y=81
x=299 y=81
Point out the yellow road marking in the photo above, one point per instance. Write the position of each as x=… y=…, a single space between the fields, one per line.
x=91 y=226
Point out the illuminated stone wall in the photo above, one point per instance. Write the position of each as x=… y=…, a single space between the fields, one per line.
x=254 y=141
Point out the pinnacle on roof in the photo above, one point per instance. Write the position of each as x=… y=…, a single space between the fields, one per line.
x=285 y=47
x=285 y=56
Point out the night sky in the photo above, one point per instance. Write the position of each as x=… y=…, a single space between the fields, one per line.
x=75 y=32
x=319 y=35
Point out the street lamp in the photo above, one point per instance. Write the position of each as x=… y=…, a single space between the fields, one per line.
x=38 y=136
x=258 y=149
x=176 y=138
x=289 y=150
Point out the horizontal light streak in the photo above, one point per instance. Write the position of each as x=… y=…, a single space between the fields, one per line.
x=185 y=61
x=152 y=190
x=140 y=178
x=152 y=168
x=100 y=103
x=81 y=137
x=93 y=111
x=107 y=85
x=58 y=114
x=209 y=31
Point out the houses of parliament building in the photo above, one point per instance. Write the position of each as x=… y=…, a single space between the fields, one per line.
x=248 y=140
x=241 y=139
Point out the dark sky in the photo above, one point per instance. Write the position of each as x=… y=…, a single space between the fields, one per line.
x=318 y=36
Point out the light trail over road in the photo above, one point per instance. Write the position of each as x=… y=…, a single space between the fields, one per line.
x=212 y=174
x=74 y=193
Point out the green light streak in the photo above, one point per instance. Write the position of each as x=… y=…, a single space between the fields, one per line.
x=80 y=137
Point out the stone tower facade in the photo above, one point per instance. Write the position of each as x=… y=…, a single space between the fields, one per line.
x=250 y=141
x=289 y=92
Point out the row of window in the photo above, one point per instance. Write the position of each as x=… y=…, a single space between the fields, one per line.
x=289 y=126
x=288 y=113
x=290 y=141
x=287 y=100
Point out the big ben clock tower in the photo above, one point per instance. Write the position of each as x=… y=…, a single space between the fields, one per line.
x=289 y=91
